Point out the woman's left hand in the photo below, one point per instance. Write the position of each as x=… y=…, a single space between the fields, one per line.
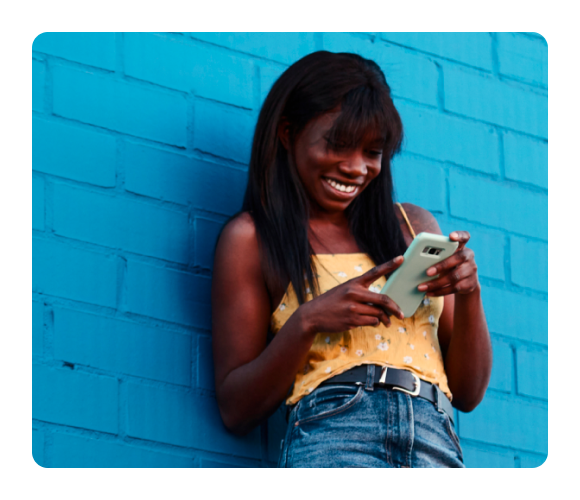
x=457 y=273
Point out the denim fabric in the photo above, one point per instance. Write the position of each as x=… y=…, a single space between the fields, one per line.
x=364 y=426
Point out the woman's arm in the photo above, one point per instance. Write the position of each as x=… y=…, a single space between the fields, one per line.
x=463 y=333
x=251 y=381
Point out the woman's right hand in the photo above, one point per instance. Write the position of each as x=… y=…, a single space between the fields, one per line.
x=352 y=304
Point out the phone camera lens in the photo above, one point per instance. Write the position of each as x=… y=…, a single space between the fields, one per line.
x=433 y=251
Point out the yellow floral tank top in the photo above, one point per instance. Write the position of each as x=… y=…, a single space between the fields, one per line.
x=410 y=343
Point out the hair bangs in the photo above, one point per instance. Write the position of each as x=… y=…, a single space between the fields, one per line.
x=364 y=117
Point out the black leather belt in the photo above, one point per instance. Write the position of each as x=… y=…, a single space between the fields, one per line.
x=398 y=380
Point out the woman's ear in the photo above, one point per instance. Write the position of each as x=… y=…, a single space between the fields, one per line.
x=284 y=132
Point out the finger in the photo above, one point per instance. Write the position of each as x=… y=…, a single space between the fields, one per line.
x=458 y=258
x=464 y=286
x=362 y=320
x=365 y=311
x=449 y=278
x=374 y=274
x=461 y=236
x=383 y=301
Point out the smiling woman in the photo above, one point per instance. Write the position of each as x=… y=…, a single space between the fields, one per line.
x=318 y=235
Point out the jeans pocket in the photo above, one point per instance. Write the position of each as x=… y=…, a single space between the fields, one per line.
x=327 y=401
x=452 y=434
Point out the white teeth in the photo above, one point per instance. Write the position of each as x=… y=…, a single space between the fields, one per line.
x=341 y=187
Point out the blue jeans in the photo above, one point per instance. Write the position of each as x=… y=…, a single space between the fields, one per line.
x=351 y=425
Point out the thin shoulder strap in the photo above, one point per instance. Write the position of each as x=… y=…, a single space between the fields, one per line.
x=406 y=219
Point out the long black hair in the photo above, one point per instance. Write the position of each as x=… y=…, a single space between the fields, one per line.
x=275 y=196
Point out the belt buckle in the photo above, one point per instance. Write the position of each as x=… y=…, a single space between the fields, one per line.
x=414 y=392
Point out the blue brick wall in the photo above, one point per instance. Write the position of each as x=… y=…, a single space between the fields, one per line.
x=141 y=143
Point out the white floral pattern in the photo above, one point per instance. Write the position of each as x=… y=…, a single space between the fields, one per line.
x=408 y=359
x=432 y=319
x=402 y=330
x=426 y=356
x=328 y=369
x=411 y=346
x=327 y=340
x=426 y=301
x=343 y=349
x=307 y=289
x=375 y=288
x=342 y=274
x=383 y=346
x=358 y=269
x=378 y=337
x=359 y=352
x=425 y=334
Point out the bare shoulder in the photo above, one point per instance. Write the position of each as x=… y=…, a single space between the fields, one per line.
x=422 y=220
x=238 y=242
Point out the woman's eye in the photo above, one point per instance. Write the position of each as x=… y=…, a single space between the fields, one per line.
x=375 y=153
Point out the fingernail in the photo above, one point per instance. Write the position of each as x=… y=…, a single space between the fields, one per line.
x=398 y=259
x=431 y=271
x=402 y=316
x=453 y=235
x=422 y=288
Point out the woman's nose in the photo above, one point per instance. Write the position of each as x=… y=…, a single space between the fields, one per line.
x=354 y=164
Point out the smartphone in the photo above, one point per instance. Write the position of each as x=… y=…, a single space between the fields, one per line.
x=426 y=250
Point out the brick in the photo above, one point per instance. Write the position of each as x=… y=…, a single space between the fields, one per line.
x=120 y=223
x=501 y=373
x=526 y=159
x=497 y=102
x=212 y=464
x=222 y=131
x=205 y=367
x=531 y=461
x=446 y=138
x=38 y=447
x=94 y=49
x=277 y=427
x=532 y=370
x=529 y=263
x=37 y=328
x=473 y=49
x=536 y=34
x=72 y=152
x=523 y=58
x=419 y=181
x=124 y=107
x=206 y=235
x=72 y=451
x=187 y=66
x=487 y=245
x=507 y=423
x=185 y=299
x=38 y=78
x=38 y=203
x=268 y=75
x=68 y=397
x=183 y=419
x=285 y=48
x=518 y=210
x=476 y=458
x=409 y=76
x=516 y=315
x=73 y=273
x=122 y=346
x=177 y=178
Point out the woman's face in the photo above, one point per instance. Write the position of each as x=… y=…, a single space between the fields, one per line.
x=334 y=178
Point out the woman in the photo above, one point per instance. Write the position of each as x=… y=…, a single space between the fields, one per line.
x=317 y=235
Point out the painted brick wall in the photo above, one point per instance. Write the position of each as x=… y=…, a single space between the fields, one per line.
x=140 y=151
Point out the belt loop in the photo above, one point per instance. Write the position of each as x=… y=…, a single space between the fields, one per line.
x=370 y=378
x=439 y=400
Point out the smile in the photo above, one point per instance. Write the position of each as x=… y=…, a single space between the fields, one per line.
x=341 y=188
